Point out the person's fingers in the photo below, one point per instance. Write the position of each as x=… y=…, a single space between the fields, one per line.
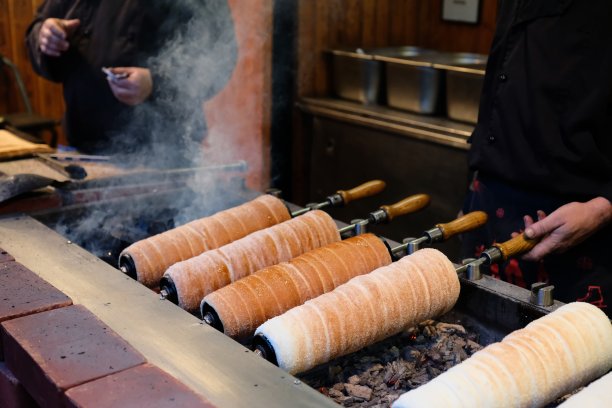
x=123 y=95
x=53 y=44
x=118 y=88
x=541 y=228
x=55 y=28
x=124 y=84
x=541 y=215
x=543 y=248
x=50 y=49
x=51 y=39
x=121 y=70
x=70 y=26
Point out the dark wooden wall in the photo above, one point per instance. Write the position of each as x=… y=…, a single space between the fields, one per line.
x=322 y=25
x=327 y=24
x=45 y=96
x=238 y=117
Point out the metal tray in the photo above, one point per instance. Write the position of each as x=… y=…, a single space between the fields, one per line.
x=464 y=79
x=357 y=74
x=432 y=81
x=412 y=83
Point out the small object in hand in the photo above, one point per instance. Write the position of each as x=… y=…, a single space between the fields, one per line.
x=112 y=76
x=75 y=171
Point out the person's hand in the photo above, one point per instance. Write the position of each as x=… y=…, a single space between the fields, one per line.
x=566 y=227
x=134 y=88
x=53 y=35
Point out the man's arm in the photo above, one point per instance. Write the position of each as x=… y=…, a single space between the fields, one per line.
x=567 y=226
x=46 y=39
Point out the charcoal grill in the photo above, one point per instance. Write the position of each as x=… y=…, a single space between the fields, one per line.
x=207 y=361
x=222 y=370
x=107 y=214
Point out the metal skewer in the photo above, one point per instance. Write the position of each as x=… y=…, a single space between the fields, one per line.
x=343 y=197
x=442 y=232
x=387 y=213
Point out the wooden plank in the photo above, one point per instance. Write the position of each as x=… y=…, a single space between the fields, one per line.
x=352 y=24
x=451 y=36
x=382 y=15
x=21 y=15
x=410 y=13
x=368 y=26
x=323 y=20
x=306 y=47
x=8 y=100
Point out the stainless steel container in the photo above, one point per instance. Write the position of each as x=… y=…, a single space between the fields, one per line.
x=429 y=82
x=358 y=74
x=464 y=79
x=412 y=83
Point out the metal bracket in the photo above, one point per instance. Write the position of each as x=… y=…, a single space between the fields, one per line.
x=360 y=226
x=542 y=294
x=414 y=244
x=472 y=271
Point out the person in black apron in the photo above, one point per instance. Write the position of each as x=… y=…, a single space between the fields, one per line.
x=541 y=153
x=166 y=58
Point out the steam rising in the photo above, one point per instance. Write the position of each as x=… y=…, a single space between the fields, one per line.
x=194 y=64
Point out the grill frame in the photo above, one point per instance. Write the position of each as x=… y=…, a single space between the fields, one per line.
x=207 y=361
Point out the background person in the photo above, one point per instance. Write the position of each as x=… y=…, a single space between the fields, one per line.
x=542 y=148
x=153 y=45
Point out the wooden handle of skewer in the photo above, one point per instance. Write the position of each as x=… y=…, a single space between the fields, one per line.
x=406 y=206
x=465 y=223
x=362 y=191
x=516 y=246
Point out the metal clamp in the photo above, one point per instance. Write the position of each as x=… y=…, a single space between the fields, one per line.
x=414 y=244
x=472 y=271
x=360 y=226
x=335 y=200
x=542 y=294
x=378 y=216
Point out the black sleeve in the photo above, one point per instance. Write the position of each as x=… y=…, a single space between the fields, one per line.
x=52 y=68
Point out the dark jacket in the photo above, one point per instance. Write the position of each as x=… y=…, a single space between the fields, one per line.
x=544 y=121
x=180 y=41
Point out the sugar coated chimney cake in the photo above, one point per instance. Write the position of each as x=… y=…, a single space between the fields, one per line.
x=550 y=357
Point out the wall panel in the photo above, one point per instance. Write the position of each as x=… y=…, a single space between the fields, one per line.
x=328 y=24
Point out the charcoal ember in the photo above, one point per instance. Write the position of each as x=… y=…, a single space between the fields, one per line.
x=375 y=369
x=335 y=394
x=338 y=387
x=375 y=403
x=420 y=378
x=396 y=365
x=359 y=391
x=473 y=346
x=450 y=328
x=394 y=372
x=389 y=399
x=333 y=372
x=460 y=354
x=432 y=372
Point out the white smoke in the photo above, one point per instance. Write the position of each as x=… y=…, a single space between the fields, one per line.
x=193 y=66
